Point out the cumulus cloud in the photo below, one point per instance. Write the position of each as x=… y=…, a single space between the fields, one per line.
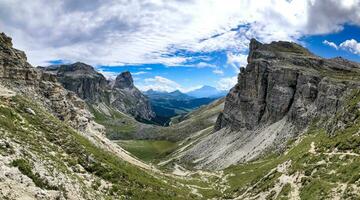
x=159 y=83
x=218 y=71
x=331 y=44
x=108 y=75
x=236 y=61
x=120 y=32
x=326 y=16
x=203 y=65
x=227 y=83
x=351 y=45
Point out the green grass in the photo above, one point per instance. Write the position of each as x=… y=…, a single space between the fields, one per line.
x=118 y=126
x=26 y=169
x=42 y=133
x=323 y=171
x=148 y=150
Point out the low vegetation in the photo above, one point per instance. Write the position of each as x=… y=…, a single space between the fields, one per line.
x=148 y=150
x=43 y=133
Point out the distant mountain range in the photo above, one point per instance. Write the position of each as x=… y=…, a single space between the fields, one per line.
x=169 y=104
x=168 y=95
x=207 y=92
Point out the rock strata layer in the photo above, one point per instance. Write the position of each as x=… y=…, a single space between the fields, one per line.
x=283 y=89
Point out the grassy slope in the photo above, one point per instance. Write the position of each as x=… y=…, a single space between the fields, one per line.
x=118 y=125
x=323 y=171
x=148 y=150
x=121 y=127
x=44 y=133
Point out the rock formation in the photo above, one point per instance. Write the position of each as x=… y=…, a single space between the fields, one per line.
x=93 y=87
x=282 y=90
x=17 y=74
x=126 y=97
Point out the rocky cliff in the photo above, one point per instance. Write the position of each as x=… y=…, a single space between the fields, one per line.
x=17 y=74
x=93 y=87
x=50 y=148
x=282 y=91
x=127 y=98
x=81 y=79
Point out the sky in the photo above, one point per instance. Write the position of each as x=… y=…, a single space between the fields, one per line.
x=176 y=44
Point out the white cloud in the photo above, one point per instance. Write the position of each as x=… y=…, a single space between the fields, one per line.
x=139 y=73
x=204 y=65
x=159 y=83
x=351 y=45
x=331 y=44
x=227 y=83
x=236 y=61
x=148 y=31
x=108 y=75
x=218 y=71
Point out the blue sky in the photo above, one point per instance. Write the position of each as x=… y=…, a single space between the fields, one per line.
x=193 y=77
x=173 y=44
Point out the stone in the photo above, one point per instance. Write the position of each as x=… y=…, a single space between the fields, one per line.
x=30 y=111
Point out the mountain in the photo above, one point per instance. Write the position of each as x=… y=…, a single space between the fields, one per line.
x=93 y=87
x=289 y=129
x=170 y=104
x=283 y=91
x=50 y=147
x=167 y=95
x=207 y=92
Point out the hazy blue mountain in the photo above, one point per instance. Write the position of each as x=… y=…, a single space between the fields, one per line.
x=167 y=95
x=169 y=104
x=207 y=92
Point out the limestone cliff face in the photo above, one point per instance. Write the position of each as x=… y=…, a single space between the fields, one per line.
x=81 y=79
x=285 y=79
x=93 y=87
x=126 y=97
x=17 y=74
x=283 y=89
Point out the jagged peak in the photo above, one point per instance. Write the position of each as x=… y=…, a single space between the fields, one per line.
x=124 y=80
x=275 y=49
x=77 y=66
x=254 y=44
x=4 y=39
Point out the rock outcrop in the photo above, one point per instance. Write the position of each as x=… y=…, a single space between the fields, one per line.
x=126 y=97
x=282 y=90
x=93 y=87
x=82 y=79
x=17 y=74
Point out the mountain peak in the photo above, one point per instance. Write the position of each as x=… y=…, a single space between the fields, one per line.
x=4 y=39
x=124 y=80
x=78 y=66
x=206 y=91
x=275 y=50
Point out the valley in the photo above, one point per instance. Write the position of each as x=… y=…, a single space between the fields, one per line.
x=288 y=129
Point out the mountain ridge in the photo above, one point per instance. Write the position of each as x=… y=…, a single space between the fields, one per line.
x=289 y=129
x=207 y=92
x=93 y=87
x=281 y=91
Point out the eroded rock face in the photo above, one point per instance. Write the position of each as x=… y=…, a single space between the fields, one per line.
x=17 y=74
x=285 y=79
x=281 y=92
x=127 y=98
x=93 y=87
x=82 y=79
x=124 y=80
